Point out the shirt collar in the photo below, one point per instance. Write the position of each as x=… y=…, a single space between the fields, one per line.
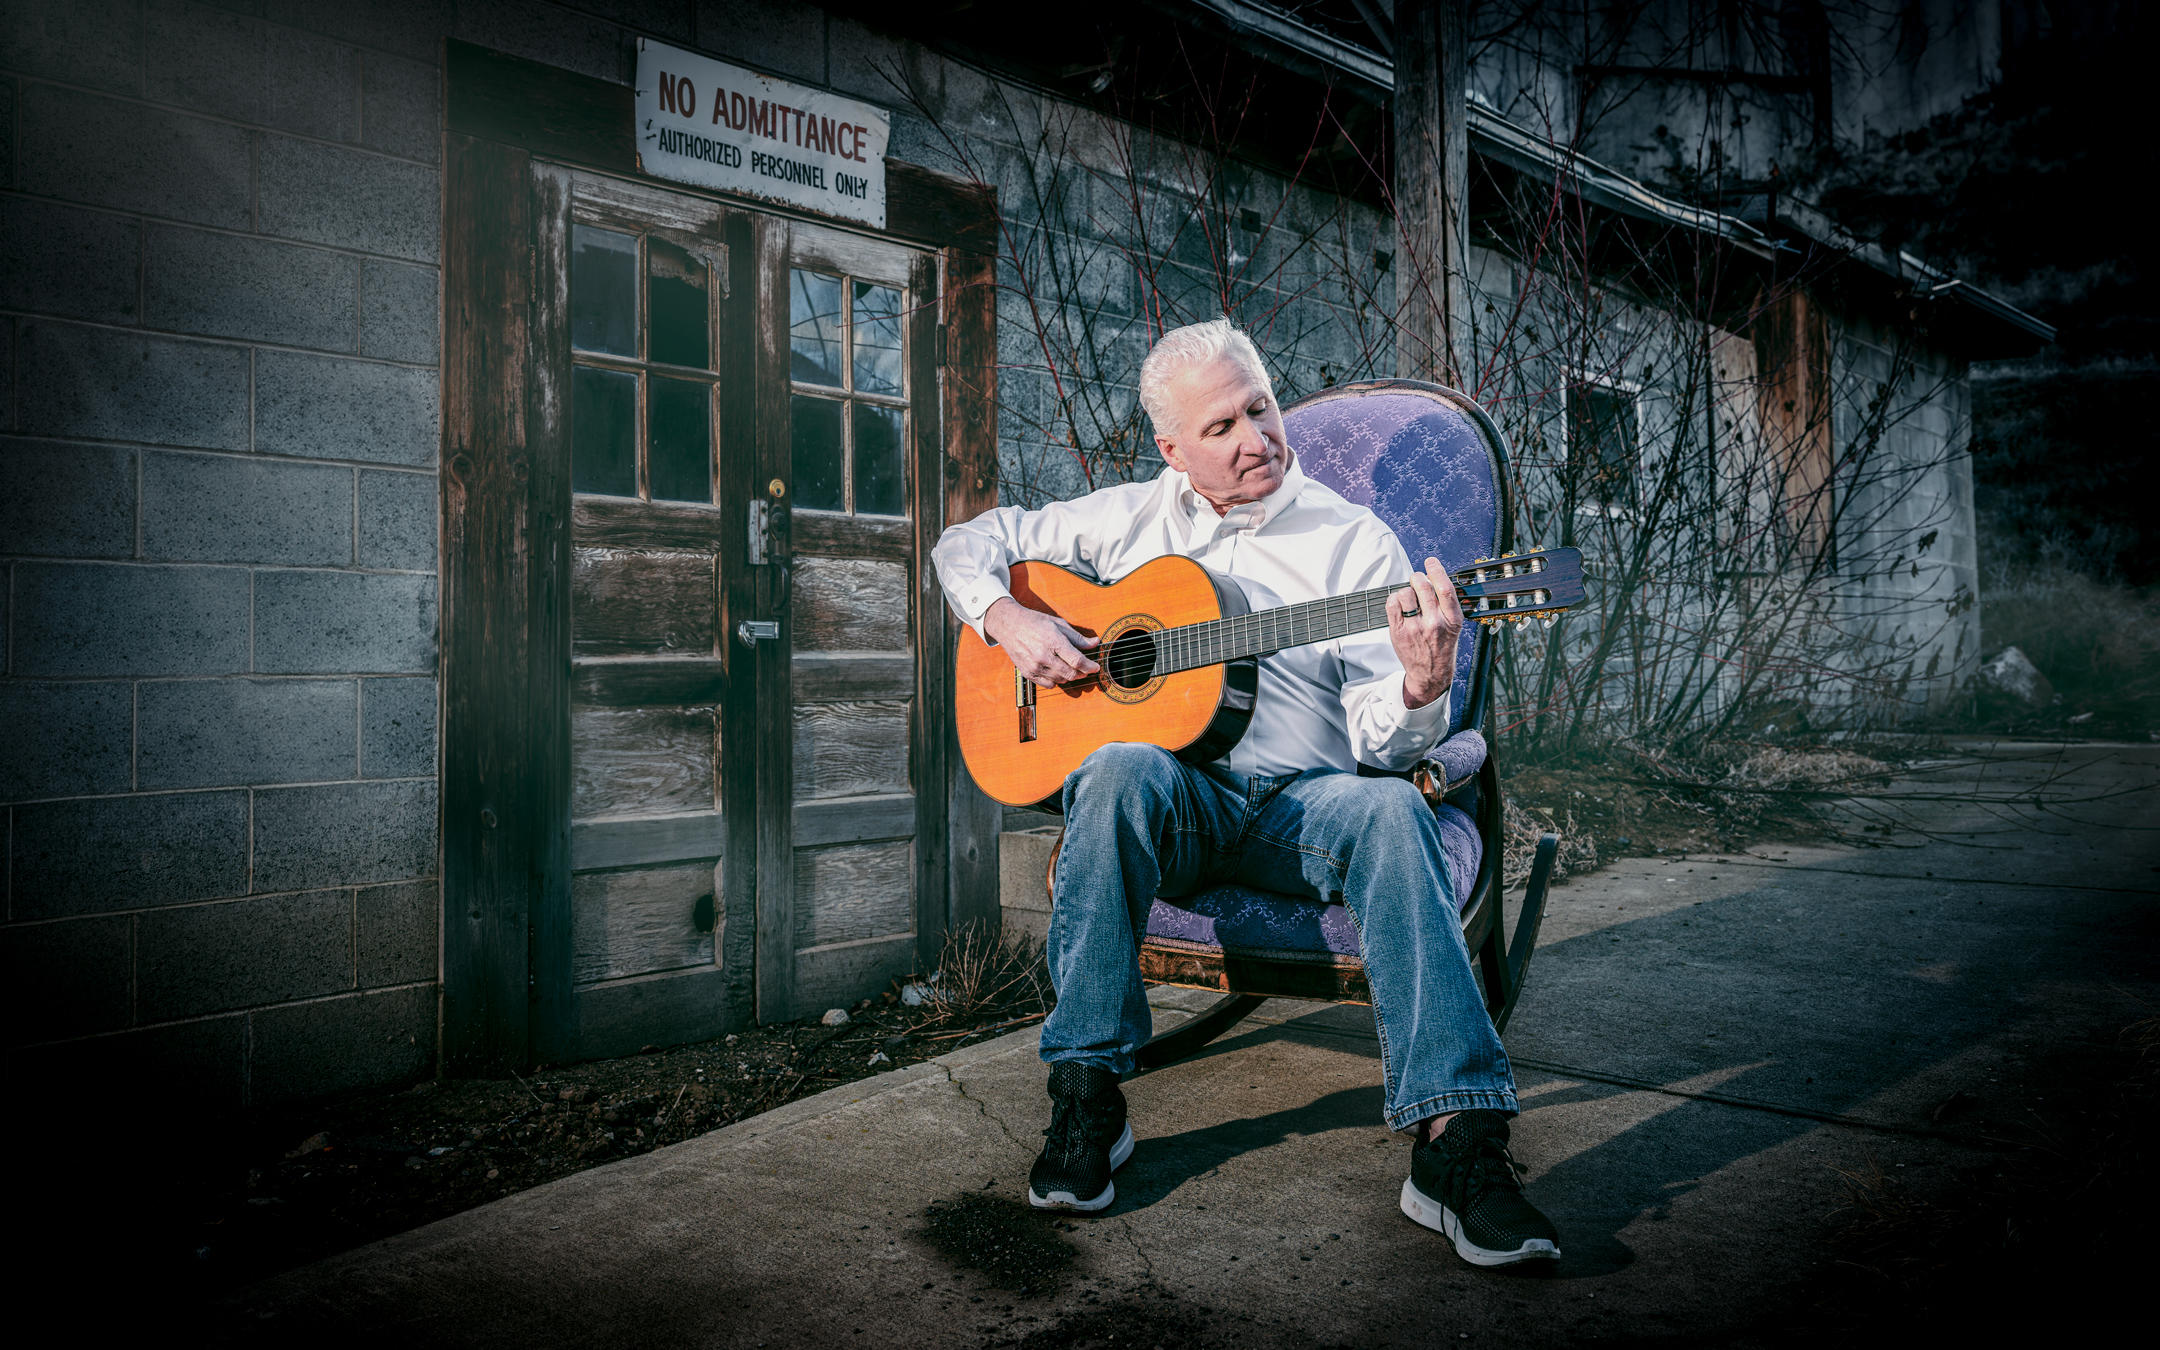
x=1200 y=514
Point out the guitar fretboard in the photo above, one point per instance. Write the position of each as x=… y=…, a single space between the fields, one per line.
x=1218 y=640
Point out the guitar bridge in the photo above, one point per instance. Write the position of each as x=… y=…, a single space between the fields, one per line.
x=1024 y=698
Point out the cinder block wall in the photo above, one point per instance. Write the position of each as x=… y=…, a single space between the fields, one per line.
x=218 y=244
x=219 y=319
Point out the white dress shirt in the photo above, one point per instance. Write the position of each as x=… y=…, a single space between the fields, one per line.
x=1328 y=705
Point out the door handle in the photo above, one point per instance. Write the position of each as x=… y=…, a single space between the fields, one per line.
x=750 y=632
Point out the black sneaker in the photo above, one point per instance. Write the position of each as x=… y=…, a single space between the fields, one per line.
x=1088 y=1140
x=1464 y=1184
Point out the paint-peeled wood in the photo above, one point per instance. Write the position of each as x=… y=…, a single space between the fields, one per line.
x=636 y=923
x=627 y=602
x=850 y=749
x=849 y=604
x=641 y=761
x=854 y=891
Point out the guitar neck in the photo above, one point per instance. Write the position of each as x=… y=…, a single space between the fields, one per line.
x=1271 y=630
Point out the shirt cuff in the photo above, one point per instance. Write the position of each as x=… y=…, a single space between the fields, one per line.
x=1430 y=721
x=975 y=599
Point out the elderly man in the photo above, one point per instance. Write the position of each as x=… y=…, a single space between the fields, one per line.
x=1285 y=810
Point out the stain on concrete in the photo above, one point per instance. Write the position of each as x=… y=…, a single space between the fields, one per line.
x=1014 y=1246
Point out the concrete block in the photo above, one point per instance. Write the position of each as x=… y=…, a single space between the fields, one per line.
x=208 y=59
x=65 y=979
x=96 y=382
x=103 y=152
x=398 y=312
x=65 y=739
x=366 y=1040
x=397 y=520
x=399 y=930
x=66 y=501
x=397 y=728
x=99 y=854
x=229 y=285
x=243 y=953
x=189 y=1065
x=344 y=833
x=401 y=103
x=547 y=34
x=331 y=623
x=219 y=508
x=60 y=260
x=327 y=408
x=311 y=85
x=94 y=42
x=116 y=619
x=785 y=39
x=412 y=28
x=348 y=198
x=230 y=733
x=1023 y=864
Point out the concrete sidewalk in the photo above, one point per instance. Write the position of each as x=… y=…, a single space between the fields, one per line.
x=1703 y=1045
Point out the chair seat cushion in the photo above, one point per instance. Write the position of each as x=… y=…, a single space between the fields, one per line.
x=1244 y=919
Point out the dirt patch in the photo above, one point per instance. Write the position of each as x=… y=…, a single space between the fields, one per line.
x=1619 y=802
x=1008 y=1242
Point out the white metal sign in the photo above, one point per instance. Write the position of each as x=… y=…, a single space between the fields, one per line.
x=719 y=126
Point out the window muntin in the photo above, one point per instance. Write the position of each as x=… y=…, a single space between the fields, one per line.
x=642 y=384
x=847 y=357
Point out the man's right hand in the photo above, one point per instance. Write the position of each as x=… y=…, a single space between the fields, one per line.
x=1041 y=646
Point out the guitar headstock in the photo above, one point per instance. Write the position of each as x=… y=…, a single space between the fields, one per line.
x=1518 y=586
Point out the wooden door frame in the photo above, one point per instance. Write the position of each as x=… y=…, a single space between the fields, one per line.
x=506 y=530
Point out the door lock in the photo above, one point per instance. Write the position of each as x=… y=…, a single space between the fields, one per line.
x=750 y=632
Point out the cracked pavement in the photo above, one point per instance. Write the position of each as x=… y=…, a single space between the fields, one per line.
x=1705 y=1044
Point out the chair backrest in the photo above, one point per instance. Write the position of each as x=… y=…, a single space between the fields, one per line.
x=1431 y=465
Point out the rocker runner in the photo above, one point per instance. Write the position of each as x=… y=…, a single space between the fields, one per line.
x=1285 y=810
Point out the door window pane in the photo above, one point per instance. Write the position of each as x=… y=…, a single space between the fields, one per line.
x=877 y=339
x=676 y=300
x=817 y=454
x=603 y=290
x=603 y=431
x=880 y=461
x=680 y=463
x=814 y=327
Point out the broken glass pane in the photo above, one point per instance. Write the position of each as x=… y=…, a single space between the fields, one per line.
x=680 y=457
x=603 y=290
x=814 y=327
x=676 y=297
x=603 y=431
x=880 y=461
x=877 y=339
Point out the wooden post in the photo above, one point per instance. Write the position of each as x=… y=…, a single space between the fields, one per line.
x=1432 y=178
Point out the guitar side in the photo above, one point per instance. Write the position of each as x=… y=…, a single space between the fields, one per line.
x=1197 y=714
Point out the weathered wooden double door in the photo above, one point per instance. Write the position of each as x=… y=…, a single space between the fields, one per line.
x=750 y=413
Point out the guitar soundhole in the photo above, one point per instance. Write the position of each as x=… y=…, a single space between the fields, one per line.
x=1131 y=662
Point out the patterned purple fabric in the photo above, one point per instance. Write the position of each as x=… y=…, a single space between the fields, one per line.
x=1460 y=755
x=1421 y=464
x=1239 y=916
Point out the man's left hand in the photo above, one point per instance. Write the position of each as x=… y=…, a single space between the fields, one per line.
x=1425 y=638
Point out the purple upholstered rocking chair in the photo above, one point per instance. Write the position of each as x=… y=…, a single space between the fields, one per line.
x=1433 y=466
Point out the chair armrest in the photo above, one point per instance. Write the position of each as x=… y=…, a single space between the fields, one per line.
x=1452 y=764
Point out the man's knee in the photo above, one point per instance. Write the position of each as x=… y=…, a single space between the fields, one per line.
x=1123 y=771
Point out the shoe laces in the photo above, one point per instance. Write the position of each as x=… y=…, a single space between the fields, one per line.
x=1073 y=1123
x=1481 y=1165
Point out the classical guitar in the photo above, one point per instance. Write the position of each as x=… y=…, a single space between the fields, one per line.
x=1180 y=655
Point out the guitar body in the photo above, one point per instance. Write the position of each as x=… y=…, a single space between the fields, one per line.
x=1020 y=755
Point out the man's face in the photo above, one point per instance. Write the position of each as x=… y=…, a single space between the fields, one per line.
x=1230 y=439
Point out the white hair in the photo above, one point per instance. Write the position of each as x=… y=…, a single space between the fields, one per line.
x=1195 y=344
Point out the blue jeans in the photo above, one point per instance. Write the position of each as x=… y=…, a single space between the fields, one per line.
x=1141 y=823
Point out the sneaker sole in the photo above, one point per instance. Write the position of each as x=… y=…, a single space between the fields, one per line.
x=1119 y=1152
x=1441 y=1219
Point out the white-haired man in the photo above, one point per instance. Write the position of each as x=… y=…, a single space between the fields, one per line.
x=1283 y=811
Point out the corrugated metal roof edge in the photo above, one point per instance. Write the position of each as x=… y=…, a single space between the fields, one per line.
x=1504 y=140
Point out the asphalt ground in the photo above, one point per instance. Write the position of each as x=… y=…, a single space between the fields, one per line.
x=1710 y=1051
